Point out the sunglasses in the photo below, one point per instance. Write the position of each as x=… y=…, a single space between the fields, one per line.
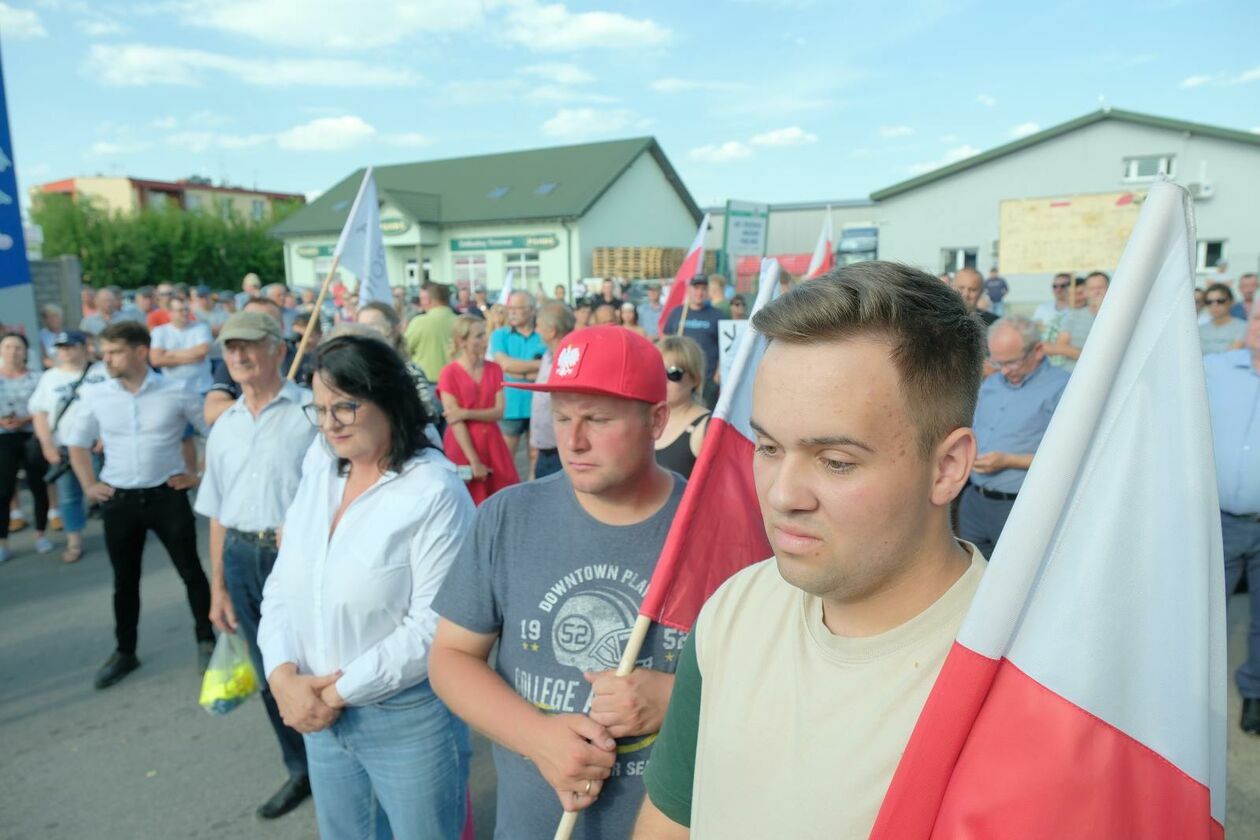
x=1215 y=301
x=1060 y=286
x=674 y=374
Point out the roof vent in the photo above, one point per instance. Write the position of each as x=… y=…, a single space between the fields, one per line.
x=498 y=192
x=546 y=189
x=341 y=205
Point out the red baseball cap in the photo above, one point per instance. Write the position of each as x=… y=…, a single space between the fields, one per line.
x=608 y=360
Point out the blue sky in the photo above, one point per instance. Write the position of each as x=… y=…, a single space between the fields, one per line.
x=768 y=100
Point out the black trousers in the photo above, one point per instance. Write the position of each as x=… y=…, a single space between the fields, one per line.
x=128 y=516
x=12 y=458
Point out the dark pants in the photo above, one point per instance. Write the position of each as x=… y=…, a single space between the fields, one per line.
x=981 y=520
x=1241 y=540
x=12 y=458
x=548 y=462
x=128 y=516
x=246 y=564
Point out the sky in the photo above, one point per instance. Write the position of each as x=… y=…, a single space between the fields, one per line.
x=759 y=100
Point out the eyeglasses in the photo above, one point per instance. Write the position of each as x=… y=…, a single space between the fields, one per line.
x=1013 y=363
x=1215 y=301
x=343 y=413
x=674 y=374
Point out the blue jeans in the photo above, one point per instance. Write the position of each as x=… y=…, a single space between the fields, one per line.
x=1241 y=540
x=397 y=768
x=981 y=520
x=548 y=462
x=246 y=565
x=70 y=503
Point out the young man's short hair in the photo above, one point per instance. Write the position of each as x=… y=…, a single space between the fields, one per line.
x=938 y=348
x=128 y=332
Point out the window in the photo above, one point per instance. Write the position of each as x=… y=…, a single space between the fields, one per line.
x=953 y=259
x=525 y=263
x=1211 y=252
x=1145 y=168
x=156 y=200
x=193 y=202
x=469 y=272
x=258 y=209
x=225 y=208
x=546 y=189
x=498 y=192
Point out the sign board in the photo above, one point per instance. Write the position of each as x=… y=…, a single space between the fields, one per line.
x=394 y=225
x=1074 y=233
x=746 y=227
x=537 y=242
x=728 y=338
x=14 y=270
x=310 y=252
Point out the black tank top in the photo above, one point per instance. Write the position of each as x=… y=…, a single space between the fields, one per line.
x=677 y=455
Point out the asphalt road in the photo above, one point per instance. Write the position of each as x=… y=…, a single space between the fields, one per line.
x=143 y=760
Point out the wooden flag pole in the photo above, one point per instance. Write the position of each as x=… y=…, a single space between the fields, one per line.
x=319 y=308
x=628 y=657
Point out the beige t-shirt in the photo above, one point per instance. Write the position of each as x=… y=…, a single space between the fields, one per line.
x=801 y=730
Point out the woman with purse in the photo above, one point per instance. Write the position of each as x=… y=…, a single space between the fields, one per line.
x=17 y=383
x=52 y=407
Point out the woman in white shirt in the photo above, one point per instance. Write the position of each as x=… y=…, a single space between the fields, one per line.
x=346 y=618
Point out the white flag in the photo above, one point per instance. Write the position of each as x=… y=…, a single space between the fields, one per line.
x=361 y=248
x=507 y=286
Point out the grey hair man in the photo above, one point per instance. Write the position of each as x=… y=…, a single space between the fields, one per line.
x=518 y=349
x=555 y=321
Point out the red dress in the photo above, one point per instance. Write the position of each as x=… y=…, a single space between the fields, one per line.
x=486 y=437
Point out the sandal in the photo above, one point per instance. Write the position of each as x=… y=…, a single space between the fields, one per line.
x=71 y=555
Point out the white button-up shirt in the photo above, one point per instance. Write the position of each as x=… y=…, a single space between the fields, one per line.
x=142 y=432
x=360 y=601
x=254 y=464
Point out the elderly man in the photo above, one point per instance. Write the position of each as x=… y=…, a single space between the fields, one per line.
x=251 y=287
x=1015 y=407
x=1233 y=386
x=700 y=325
x=277 y=293
x=253 y=467
x=970 y=285
x=555 y=321
x=106 y=313
x=518 y=349
x=181 y=350
x=1247 y=284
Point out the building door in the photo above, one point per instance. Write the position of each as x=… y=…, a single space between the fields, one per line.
x=952 y=259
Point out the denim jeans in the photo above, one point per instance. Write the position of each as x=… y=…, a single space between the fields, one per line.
x=548 y=463
x=70 y=502
x=397 y=768
x=981 y=520
x=1241 y=540
x=246 y=565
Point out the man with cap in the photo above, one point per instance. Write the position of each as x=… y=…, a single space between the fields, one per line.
x=700 y=325
x=555 y=571
x=253 y=466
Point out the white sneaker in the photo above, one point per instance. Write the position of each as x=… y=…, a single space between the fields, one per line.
x=43 y=545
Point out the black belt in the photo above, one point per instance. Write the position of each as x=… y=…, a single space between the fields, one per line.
x=1248 y=517
x=267 y=537
x=141 y=492
x=548 y=451
x=994 y=494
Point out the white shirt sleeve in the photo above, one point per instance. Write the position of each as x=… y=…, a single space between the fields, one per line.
x=209 y=494
x=402 y=657
x=275 y=631
x=194 y=413
x=84 y=429
x=44 y=398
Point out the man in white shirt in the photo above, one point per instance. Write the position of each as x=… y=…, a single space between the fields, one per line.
x=253 y=466
x=140 y=417
x=181 y=349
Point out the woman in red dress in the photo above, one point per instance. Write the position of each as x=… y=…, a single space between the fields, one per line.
x=471 y=390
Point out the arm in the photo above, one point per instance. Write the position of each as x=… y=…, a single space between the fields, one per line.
x=1063 y=347
x=222 y=614
x=517 y=367
x=217 y=402
x=991 y=462
x=455 y=416
x=631 y=705
x=189 y=477
x=654 y=825
x=81 y=463
x=162 y=357
x=485 y=415
x=43 y=431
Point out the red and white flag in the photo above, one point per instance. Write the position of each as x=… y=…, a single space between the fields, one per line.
x=692 y=265
x=718 y=529
x=1085 y=695
x=824 y=258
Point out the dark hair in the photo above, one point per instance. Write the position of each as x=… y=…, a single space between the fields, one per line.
x=1220 y=287
x=440 y=293
x=128 y=332
x=13 y=334
x=938 y=348
x=369 y=369
x=740 y=298
x=266 y=301
x=1101 y=274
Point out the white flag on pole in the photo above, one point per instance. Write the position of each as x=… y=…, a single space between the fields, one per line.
x=361 y=248
x=507 y=286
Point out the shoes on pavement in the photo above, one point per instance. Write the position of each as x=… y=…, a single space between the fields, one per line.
x=71 y=555
x=43 y=545
x=54 y=520
x=115 y=668
x=5 y=556
x=1250 y=722
x=291 y=795
x=17 y=521
x=204 y=651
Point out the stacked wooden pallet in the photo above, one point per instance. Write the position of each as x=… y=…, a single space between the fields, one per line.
x=640 y=263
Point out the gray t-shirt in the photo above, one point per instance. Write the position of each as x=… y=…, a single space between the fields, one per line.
x=563 y=591
x=1077 y=323
x=1221 y=338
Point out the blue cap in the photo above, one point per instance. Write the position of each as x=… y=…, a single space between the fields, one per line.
x=70 y=337
x=202 y=291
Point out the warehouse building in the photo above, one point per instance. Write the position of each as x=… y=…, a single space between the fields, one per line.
x=469 y=220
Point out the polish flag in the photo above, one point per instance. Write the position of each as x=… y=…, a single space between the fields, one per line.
x=1085 y=695
x=692 y=264
x=717 y=530
x=824 y=258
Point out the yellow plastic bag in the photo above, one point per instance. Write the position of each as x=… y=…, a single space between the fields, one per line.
x=230 y=680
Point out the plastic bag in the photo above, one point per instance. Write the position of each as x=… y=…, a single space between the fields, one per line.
x=230 y=680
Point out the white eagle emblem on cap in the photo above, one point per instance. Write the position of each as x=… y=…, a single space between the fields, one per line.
x=567 y=361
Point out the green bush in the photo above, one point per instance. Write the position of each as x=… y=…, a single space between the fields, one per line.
x=152 y=246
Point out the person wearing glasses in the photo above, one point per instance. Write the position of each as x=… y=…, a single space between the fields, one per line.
x=1049 y=314
x=181 y=349
x=254 y=455
x=347 y=617
x=1014 y=410
x=1222 y=332
x=679 y=444
x=739 y=308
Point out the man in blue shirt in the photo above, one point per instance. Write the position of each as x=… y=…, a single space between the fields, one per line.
x=518 y=349
x=701 y=325
x=1233 y=386
x=650 y=312
x=1013 y=412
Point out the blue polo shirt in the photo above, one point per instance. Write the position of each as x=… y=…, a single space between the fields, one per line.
x=1233 y=388
x=1013 y=419
x=702 y=327
x=528 y=347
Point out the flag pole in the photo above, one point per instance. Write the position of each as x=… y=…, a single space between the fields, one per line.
x=319 y=304
x=628 y=657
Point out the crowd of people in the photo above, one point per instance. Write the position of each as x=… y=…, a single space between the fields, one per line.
x=402 y=570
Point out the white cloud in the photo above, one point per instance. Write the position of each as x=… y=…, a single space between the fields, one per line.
x=1246 y=76
x=326 y=134
x=1195 y=81
x=1220 y=79
x=672 y=85
x=553 y=28
x=721 y=152
x=20 y=24
x=99 y=27
x=131 y=65
x=109 y=147
x=791 y=136
x=896 y=131
x=581 y=123
x=1024 y=129
x=986 y=100
x=333 y=24
x=408 y=139
x=559 y=73
x=952 y=156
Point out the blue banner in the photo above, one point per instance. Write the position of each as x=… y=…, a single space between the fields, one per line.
x=14 y=270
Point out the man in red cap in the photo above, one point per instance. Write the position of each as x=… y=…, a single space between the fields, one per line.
x=555 y=571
